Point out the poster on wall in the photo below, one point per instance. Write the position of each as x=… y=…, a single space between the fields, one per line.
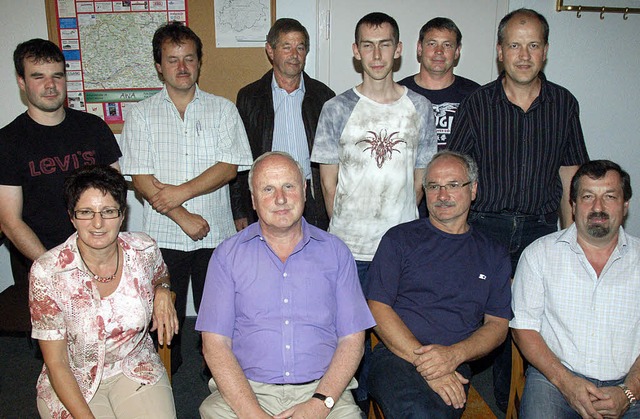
x=107 y=47
x=242 y=23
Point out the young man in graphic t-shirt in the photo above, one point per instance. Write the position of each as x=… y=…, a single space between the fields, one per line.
x=373 y=143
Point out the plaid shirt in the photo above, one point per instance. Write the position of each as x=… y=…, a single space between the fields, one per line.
x=157 y=141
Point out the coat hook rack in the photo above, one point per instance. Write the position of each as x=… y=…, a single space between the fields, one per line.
x=602 y=10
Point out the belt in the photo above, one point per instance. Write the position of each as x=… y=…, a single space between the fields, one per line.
x=295 y=384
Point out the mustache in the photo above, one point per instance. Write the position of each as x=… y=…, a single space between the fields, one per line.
x=598 y=214
x=444 y=204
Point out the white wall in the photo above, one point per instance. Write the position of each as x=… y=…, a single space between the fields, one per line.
x=598 y=60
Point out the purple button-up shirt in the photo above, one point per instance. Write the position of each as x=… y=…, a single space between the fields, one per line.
x=284 y=319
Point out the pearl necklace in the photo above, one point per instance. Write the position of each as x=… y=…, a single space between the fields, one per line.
x=103 y=279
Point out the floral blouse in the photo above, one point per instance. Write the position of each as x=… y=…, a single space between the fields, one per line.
x=65 y=303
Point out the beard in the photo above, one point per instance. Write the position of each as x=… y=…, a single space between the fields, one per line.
x=598 y=230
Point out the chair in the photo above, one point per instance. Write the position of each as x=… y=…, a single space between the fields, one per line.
x=517 y=382
x=475 y=408
x=165 y=350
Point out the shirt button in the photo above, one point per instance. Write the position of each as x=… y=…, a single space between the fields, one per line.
x=287 y=373
x=285 y=275
x=287 y=346
x=286 y=322
x=286 y=300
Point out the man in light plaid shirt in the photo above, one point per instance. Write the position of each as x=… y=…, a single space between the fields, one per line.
x=575 y=306
x=181 y=147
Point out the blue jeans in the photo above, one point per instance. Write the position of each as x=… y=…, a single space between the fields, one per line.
x=515 y=232
x=401 y=391
x=361 y=394
x=541 y=399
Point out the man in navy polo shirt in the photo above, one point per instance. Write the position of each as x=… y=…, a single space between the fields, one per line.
x=439 y=292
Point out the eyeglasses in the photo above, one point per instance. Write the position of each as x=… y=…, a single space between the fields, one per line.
x=106 y=214
x=449 y=187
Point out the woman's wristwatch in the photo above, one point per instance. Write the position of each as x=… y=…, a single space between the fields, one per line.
x=163 y=285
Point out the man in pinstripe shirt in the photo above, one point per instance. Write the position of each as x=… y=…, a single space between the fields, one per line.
x=525 y=134
x=280 y=112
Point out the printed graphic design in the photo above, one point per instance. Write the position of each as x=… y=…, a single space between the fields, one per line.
x=381 y=145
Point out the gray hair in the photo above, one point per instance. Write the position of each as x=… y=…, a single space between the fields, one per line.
x=466 y=160
x=269 y=154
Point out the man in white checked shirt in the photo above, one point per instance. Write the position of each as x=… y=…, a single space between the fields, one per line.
x=575 y=305
x=181 y=147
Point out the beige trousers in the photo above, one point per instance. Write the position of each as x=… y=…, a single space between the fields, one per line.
x=119 y=397
x=275 y=398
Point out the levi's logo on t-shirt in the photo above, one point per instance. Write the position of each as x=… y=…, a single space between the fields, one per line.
x=49 y=165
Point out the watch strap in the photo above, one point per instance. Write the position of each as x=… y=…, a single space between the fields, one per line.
x=632 y=399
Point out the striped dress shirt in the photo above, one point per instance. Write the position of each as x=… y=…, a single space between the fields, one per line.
x=519 y=153
x=288 y=129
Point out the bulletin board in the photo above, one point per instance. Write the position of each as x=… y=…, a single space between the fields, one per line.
x=224 y=70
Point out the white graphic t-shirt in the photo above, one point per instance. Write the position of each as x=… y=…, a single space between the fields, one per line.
x=377 y=147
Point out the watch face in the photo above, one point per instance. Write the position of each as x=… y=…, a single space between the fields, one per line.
x=329 y=402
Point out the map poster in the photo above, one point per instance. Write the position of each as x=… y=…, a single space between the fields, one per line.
x=108 y=53
x=242 y=23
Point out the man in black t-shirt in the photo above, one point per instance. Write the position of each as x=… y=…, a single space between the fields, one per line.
x=439 y=44
x=438 y=50
x=37 y=151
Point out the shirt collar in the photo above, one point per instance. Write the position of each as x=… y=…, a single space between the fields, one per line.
x=275 y=88
x=165 y=94
x=255 y=231
x=570 y=236
x=500 y=95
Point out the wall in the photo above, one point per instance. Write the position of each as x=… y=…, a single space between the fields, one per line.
x=596 y=59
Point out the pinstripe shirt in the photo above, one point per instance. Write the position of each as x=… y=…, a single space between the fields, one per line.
x=589 y=322
x=288 y=129
x=156 y=141
x=519 y=153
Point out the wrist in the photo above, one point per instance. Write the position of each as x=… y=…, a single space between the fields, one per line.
x=162 y=285
x=631 y=398
x=326 y=400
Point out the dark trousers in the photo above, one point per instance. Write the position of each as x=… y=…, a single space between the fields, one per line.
x=182 y=266
x=403 y=393
x=515 y=232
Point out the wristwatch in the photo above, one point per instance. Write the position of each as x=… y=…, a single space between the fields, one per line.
x=629 y=394
x=328 y=400
x=163 y=285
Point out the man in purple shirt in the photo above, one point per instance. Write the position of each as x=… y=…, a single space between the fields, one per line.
x=283 y=334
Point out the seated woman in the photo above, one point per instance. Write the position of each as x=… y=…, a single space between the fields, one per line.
x=91 y=301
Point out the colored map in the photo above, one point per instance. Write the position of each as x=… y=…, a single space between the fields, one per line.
x=116 y=50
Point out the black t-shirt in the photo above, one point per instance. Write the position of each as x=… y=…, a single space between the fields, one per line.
x=445 y=103
x=38 y=158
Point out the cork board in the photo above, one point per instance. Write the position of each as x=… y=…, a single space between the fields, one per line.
x=224 y=71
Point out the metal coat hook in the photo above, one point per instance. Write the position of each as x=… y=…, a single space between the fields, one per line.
x=625 y=16
x=578 y=14
x=602 y=13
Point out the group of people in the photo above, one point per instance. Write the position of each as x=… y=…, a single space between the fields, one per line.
x=285 y=307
